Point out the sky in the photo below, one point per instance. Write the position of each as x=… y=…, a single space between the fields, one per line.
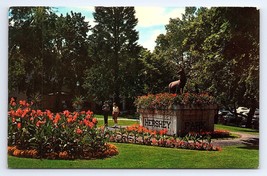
x=151 y=20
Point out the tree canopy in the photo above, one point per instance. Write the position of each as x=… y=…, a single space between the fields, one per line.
x=222 y=48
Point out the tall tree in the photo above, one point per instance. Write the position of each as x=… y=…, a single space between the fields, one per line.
x=226 y=49
x=222 y=48
x=113 y=45
x=46 y=51
x=27 y=41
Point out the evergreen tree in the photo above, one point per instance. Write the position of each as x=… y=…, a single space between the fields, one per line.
x=114 y=50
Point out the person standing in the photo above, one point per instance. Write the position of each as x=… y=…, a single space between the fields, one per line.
x=105 y=109
x=115 y=114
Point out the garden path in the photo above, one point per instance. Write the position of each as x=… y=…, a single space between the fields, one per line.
x=250 y=140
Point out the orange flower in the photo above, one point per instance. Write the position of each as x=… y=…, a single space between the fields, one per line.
x=69 y=120
x=19 y=112
x=19 y=125
x=57 y=118
x=90 y=124
x=22 y=102
x=82 y=112
x=63 y=155
x=94 y=120
x=39 y=113
x=49 y=114
x=25 y=112
x=163 y=131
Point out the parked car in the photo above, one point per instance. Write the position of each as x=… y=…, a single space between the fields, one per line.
x=242 y=110
x=256 y=119
x=225 y=116
x=256 y=114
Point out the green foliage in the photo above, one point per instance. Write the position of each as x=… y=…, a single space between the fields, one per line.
x=222 y=49
x=42 y=46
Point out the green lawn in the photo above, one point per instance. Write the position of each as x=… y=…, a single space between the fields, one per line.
x=236 y=129
x=138 y=156
x=121 y=121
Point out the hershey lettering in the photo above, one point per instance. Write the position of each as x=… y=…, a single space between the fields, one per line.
x=157 y=123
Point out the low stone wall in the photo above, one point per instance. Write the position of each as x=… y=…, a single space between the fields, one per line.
x=179 y=119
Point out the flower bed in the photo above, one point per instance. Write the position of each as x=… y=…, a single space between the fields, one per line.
x=43 y=134
x=111 y=150
x=178 y=113
x=170 y=101
x=137 y=134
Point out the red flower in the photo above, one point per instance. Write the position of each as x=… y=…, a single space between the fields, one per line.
x=22 y=102
x=79 y=131
x=19 y=125
x=49 y=114
x=13 y=103
x=94 y=120
x=89 y=113
x=66 y=113
x=25 y=112
x=163 y=131
x=57 y=118
x=90 y=124
x=19 y=112
x=39 y=122
x=82 y=112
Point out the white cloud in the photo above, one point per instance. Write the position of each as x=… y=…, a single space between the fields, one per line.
x=89 y=8
x=150 y=42
x=149 y=16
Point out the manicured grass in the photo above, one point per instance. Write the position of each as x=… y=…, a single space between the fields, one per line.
x=139 y=156
x=236 y=129
x=121 y=121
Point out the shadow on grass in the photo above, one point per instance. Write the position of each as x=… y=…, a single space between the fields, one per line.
x=252 y=143
x=250 y=131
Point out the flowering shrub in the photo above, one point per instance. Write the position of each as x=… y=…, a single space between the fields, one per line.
x=66 y=135
x=140 y=135
x=167 y=100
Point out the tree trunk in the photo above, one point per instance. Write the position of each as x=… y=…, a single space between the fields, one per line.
x=250 y=116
